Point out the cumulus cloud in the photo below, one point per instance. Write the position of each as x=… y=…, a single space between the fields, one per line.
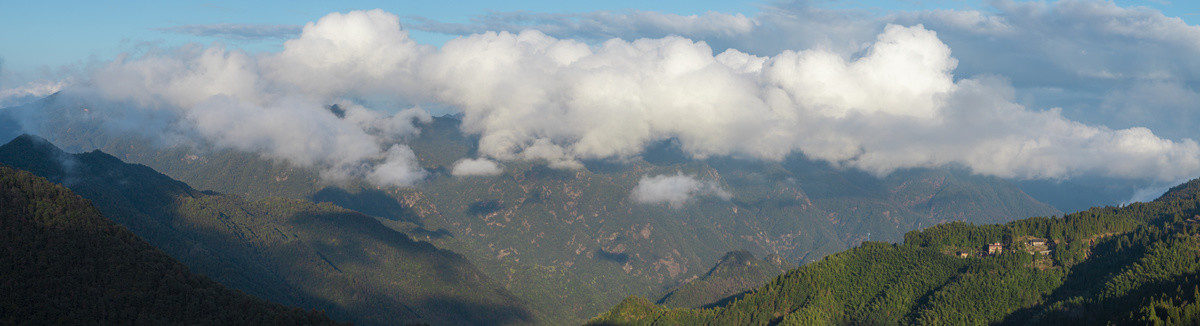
x=236 y=31
x=896 y=105
x=475 y=167
x=675 y=190
x=360 y=53
x=891 y=102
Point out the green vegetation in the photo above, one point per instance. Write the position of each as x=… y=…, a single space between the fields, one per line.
x=63 y=263
x=289 y=251
x=1138 y=264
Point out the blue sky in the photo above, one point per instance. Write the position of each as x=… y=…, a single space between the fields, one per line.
x=49 y=34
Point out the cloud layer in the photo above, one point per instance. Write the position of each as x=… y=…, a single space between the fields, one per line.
x=675 y=190
x=891 y=102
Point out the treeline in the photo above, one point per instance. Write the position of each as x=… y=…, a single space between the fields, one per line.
x=62 y=263
x=1138 y=264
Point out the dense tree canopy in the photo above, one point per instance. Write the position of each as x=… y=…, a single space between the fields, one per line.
x=1138 y=264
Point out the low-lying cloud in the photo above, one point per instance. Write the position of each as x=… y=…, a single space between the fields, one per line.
x=893 y=103
x=475 y=167
x=675 y=190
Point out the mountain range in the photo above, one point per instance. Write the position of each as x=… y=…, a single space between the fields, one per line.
x=560 y=245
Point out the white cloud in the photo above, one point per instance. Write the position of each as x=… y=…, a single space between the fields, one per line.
x=276 y=104
x=182 y=78
x=475 y=167
x=352 y=54
x=399 y=168
x=895 y=106
x=675 y=190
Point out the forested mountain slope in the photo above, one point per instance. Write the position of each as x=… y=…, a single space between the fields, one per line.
x=1138 y=264
x=63 y=263
x=289 y=251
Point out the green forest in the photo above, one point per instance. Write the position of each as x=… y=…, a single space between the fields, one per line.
x=1137 y=264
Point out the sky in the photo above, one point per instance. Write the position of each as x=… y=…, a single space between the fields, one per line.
x=1014 y=89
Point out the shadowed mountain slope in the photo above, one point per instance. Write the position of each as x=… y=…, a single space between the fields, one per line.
x=63 y=263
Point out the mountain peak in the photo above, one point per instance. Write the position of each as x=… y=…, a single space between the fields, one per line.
x=28 y=142
x=37 y=155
